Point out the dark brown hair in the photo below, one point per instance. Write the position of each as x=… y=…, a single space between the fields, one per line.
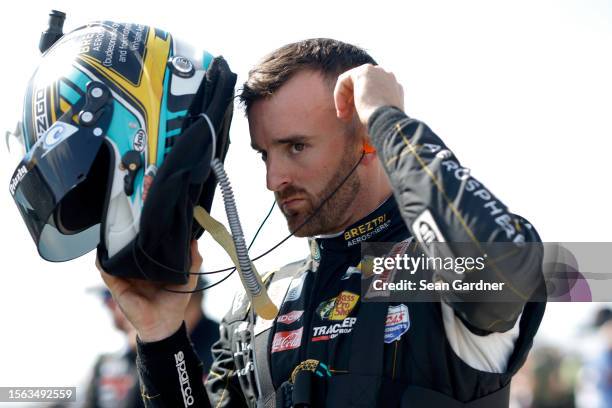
x=330 y=57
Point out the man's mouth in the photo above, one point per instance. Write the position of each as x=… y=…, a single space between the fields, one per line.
x=291 y=203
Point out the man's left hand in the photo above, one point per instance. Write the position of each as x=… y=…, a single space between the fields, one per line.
x=364 y=89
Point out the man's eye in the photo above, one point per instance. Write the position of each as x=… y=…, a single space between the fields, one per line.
x=297 y=147
x=264 y=156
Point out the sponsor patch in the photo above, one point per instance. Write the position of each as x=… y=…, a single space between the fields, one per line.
x=295 y=289
x=287 y=340
x=366 y=227
x=322 y=333
x=325 y=308
x=397 y=323
x=339 y=307
x=290 y=317
x=345 y=302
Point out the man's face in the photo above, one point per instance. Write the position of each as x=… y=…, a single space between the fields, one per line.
x=308 y=151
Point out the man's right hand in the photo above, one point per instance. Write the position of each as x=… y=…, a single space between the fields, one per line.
x=155 y=312
x=364 y=89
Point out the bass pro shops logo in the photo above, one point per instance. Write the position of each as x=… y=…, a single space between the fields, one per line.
x=181 y=369
x=339 y=307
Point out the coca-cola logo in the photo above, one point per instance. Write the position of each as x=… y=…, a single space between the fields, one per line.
x=290 y=317
x=287 y=340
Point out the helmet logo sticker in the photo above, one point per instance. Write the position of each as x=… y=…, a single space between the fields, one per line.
x=57 y=133
x=41 y=110
x=140 y=140
x=19 y=175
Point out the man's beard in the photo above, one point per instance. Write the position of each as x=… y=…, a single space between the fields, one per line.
x=333 y=212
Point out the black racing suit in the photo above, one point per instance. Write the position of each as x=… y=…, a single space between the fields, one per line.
x=114 y=382
x=320 y=315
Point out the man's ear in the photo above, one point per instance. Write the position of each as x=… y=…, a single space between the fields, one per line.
x=369 y=153
x=368 y=148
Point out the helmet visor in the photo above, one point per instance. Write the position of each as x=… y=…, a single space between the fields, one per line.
x=59 y=191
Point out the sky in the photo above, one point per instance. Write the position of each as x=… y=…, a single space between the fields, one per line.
x=521 y=91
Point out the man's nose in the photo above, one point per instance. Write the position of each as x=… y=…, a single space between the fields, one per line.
x=277 y=175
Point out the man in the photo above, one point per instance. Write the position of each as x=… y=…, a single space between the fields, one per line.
x=314 y=109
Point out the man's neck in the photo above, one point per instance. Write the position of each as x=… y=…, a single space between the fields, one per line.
x=375 y=190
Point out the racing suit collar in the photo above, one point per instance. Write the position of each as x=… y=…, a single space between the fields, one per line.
x=379 y=225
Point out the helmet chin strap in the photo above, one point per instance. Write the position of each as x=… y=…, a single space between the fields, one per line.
x=251 y=280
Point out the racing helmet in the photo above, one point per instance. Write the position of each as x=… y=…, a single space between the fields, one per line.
x=120 y=124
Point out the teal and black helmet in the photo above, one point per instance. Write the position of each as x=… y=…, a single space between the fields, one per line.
x=120 y=124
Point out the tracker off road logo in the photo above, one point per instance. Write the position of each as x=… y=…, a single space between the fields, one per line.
x=323 y=333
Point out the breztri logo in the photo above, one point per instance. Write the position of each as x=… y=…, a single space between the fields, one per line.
x=181 y=368
x=19 y=175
